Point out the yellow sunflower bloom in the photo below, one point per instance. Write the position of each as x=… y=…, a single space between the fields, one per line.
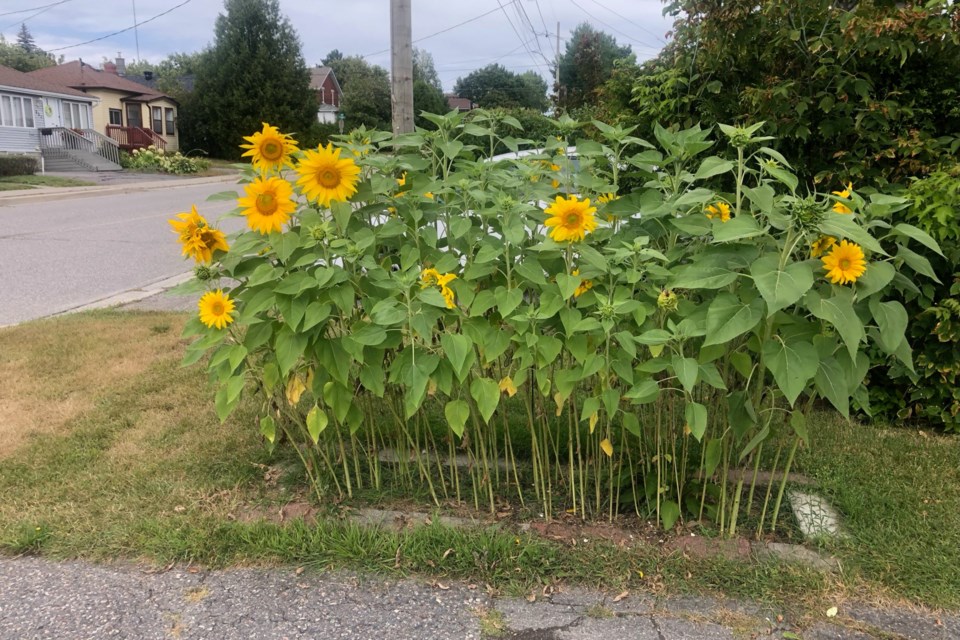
x=839 y=207
x=449 y=296
x=326 y=177
x=583 y=287
x=268 y=204
x=845 y=263
x=402 y=180
x=555 y=183
x=571 y=219
x=216 y=308
x=720 y=210
x=198 y=238
x=606 y=198
x=821 y=245
x=269 y=149
x=506 y=386
x=428 y=277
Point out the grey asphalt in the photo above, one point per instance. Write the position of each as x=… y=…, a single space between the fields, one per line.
x=63 y=249
x=41 y=599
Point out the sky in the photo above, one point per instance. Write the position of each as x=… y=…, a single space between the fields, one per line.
x=513 y=33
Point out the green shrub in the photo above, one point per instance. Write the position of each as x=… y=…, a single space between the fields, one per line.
x=154 y=159
x=931 y=393
x=417 y=298
x=11 y=165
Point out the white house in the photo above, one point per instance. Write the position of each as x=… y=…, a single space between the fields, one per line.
x=40 y=118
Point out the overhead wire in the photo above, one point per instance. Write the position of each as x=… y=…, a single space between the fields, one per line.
x=519 y=37
x=116 y=33
x=42 y=9
x=43 y=6
x=646 y=45
x=437 y=33
x=626 y=19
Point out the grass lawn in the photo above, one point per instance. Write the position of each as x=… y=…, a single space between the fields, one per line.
x=110 y=449
x=12 y=183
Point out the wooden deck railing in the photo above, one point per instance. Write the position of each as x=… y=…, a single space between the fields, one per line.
x=130 y=138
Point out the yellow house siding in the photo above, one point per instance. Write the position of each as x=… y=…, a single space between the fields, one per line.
x=112 y=100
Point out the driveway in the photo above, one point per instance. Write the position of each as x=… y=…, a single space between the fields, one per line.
x=63 y=249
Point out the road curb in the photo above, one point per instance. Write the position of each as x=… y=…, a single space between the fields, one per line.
x=45 y=194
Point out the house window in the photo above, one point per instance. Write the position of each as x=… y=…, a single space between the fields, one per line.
x=76 y=115
x=168 y=113
x=16 y=111
x=157 y=119
x=116 y=116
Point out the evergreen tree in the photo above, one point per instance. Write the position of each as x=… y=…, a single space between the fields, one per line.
x=427 y=90
x=25 y=39
x=253 y=73
x=13 y=55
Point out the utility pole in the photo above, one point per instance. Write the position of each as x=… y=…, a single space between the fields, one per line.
x=401 y=65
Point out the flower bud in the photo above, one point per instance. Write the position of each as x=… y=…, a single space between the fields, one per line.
x=668 y=300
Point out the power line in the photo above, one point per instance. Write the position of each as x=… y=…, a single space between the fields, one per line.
x=437 y=33
x=116 y=33
x=623 y=17
x=44 y=7
x=519 y=37
x=613 y=28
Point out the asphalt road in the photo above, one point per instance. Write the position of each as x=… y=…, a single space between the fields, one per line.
x=59 y=253
x=40 y=599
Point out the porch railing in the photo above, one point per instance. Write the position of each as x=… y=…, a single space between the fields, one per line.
x=80 y=139
x=130 y=138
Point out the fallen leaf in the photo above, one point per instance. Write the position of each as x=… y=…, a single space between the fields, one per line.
x=446 y=553
x=299 y=570
x=832 y=612
x=621 y=596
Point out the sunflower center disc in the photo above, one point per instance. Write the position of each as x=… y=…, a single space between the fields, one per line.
x=217 y=308
x=272 y=151
x=329 y=179
x=573 y=219
x=266 y=204
x=844 y=264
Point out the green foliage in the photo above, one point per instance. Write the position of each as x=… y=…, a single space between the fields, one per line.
x=631 y=371
x=153 y=159
x=366 y=91
x=24 y=55
x=586 y=64
x=931 y=391
x=864 y=93
x=254 y=72
x=12 y=165
x=496 y=86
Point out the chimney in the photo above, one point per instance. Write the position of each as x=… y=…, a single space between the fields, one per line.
x=121 y=65
x=109 y=67
x=148 y=75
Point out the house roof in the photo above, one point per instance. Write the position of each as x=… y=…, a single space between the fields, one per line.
x=318 y=76
x=461 y=104
x=18 y=80
x=80 y=75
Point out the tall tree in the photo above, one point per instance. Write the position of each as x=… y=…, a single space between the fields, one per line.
x=863 y=91
x=253 y=73
x=586 y=64
x=25 y=39
x=16 y=57
x=366 y=91
x=170 y=73
x=427 y=90
x=496 y=86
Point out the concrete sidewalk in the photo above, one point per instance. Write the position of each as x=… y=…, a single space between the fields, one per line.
x=40 y=599
x=135 y=183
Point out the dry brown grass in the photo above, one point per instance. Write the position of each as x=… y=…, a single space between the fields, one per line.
x=54 y=370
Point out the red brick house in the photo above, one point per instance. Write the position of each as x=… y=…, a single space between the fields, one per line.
x=329 y=95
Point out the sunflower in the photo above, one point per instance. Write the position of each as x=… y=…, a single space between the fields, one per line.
x=584 y=286
x=269 y=149
x=326 y=177
x=555 y=183
x=215 y=309
x=402 y=180
x=198 y=238
x=719 y=210
x=606 y=198
x=268 y=204
x=821 y=245
x=839 y=207
x=571 y=219
x=428 y=277
x=845 y=263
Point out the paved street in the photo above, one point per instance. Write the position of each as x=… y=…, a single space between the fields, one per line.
x=59 y=252
x=40 y=599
